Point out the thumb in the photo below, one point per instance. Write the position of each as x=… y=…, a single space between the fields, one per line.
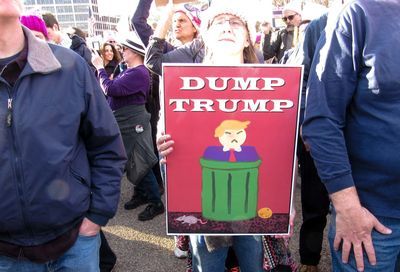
x=381 y=228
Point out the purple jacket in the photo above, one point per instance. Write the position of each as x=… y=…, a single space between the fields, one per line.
x=131 y=87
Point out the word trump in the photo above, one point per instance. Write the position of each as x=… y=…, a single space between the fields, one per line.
x=220 y=84
x=231 y=105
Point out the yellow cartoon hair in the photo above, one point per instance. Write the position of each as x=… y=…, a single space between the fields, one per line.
x=230 y=125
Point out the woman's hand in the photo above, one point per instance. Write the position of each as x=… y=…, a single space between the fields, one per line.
x=97 y=61
x=292 y=216
x=165 y=146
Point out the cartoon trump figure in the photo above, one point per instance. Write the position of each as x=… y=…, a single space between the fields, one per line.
x=231 y=135
x=230 y=175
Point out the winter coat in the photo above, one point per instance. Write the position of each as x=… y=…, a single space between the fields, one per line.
x=61 y=155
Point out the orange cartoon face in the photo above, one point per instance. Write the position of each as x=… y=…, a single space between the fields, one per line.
x=233 y=138
x=231 y=133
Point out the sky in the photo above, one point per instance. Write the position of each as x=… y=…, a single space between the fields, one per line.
x=117 y=7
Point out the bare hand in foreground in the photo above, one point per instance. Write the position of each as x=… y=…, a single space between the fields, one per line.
x=97 y=61
x=354 y=225
x=88 y=228
x=291 y=224
x=165 y=146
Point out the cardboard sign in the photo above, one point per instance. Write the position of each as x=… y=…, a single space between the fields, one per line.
x=235 y=129
x=160 y=3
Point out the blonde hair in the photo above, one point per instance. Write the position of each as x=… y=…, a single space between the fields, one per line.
x=231 y=125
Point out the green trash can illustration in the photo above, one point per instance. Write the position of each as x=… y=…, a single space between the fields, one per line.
x=229 y=189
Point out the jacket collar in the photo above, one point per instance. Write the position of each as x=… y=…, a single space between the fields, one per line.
x=40 y=57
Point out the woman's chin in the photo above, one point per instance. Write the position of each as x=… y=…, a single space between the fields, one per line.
x=226 y=48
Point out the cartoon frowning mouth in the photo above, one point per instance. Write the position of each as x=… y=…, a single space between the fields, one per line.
x=234 y=141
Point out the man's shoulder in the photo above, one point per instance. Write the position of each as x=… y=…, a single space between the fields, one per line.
x=67 y=57
x=61 y=50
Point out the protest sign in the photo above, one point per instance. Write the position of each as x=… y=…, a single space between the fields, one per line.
x=235 y=129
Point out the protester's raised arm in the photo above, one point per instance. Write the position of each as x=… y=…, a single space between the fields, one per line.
x=164 y=24
x=139 y=21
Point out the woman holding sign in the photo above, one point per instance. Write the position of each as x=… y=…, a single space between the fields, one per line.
x=228 y=37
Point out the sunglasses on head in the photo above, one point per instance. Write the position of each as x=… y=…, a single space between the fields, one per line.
x=192 y=8
x=289 y=18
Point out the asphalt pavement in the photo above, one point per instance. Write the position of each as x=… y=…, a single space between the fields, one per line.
x=145 y=247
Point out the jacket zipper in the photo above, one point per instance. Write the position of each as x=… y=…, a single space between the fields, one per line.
x=9 y=112
x=17 y=161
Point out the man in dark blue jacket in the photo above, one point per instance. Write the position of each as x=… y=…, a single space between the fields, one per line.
x=314 y=197
x=352 y=127
x=61 y=154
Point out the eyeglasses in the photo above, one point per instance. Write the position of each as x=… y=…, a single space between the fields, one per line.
x=289 y=18
x=233 y=22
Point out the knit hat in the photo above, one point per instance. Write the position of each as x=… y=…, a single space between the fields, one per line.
x=236 y=8
x=192 y=12
x=133 y=43
x=294 y=6
x=313 y=11
x=35 y=23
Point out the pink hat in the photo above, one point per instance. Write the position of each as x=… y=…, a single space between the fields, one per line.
x=34 y=22
x=192 y=12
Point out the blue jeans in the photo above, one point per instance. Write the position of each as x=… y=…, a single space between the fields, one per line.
x=248 y=250
x=83 y=256
x=387 y=248
x=148 y=188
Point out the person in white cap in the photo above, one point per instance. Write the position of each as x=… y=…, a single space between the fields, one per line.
x=127 y=95
x=185 y=22
x=283 y=40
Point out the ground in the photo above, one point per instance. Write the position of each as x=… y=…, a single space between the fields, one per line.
x=145 y=247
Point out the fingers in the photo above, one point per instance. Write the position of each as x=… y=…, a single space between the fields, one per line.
x=292 y=218
x=336 y=242
x=163 y=138
x=381 y=228
x=358 y=255
x=370 y=251
x=368 y=245
x=346 y=247
x=165 y=145
x=166 y=150
x=359 y=239
x=357 y=247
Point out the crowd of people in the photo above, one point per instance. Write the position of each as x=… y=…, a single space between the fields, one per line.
x=92 y=116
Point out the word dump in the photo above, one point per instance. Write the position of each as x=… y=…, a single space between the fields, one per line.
x=230 y=84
